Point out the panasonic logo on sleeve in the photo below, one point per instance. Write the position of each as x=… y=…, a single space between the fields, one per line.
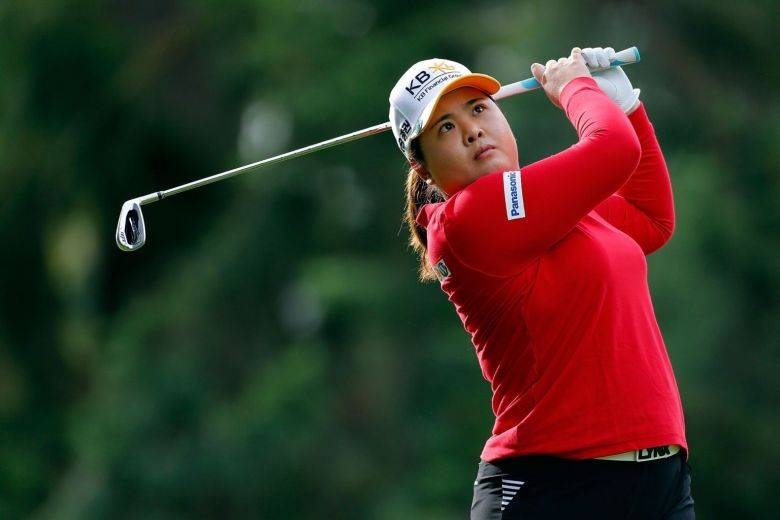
x=513 y=196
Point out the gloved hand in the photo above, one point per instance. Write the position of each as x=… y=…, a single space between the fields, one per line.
x=613 y=81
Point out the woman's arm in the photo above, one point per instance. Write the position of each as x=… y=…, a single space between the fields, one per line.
x=553 y=194
x=643 y=208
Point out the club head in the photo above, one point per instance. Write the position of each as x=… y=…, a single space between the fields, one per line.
x=130 y=230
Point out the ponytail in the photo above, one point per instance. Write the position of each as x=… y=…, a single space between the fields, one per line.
x=419 y=193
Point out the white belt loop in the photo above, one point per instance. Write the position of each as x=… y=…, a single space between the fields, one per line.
x=645 y=454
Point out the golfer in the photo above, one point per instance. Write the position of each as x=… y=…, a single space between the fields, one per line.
x=545 y=265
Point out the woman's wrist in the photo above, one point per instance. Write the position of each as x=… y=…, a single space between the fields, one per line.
x=574 y=86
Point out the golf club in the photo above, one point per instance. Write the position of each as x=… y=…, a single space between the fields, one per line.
x=131 y=229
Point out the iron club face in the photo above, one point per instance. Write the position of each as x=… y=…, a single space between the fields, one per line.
x=130 y=230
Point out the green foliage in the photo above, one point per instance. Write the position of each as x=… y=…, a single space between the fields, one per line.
x=269 y=353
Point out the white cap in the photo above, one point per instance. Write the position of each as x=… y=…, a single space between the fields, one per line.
x=414 y=97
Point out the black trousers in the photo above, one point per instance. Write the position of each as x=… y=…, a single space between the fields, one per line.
x=537 y=487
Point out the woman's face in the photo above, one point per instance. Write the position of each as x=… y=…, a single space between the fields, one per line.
x=468 y=138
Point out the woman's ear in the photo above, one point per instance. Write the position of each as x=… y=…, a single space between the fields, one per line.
x=422 y=171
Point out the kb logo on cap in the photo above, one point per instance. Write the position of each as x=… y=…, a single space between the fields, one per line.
x=423 y=77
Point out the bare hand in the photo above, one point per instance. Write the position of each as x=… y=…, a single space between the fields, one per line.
x=556 y=74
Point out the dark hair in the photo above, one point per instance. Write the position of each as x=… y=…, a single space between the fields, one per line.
x=419 y=193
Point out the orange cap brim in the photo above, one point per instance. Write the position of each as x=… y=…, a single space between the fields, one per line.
x=482 y=82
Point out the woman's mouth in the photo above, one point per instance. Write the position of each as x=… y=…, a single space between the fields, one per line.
x=483 y=151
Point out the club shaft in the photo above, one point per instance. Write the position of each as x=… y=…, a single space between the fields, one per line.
x=624 y=57
x=376 y=129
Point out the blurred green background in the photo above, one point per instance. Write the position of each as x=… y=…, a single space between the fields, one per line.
x=269 y=353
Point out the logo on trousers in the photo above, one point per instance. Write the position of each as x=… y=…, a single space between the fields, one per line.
x=659 y=452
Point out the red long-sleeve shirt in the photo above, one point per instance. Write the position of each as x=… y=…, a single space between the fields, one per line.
x=546 y=268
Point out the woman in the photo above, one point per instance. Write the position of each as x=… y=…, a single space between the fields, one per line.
x=546 y=267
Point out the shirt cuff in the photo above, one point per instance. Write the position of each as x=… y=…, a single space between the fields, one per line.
x=574 y=86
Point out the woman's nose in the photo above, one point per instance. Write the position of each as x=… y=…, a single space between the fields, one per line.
x=473 y=135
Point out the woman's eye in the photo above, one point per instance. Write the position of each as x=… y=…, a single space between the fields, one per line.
x=480 y=108
x=446 y=127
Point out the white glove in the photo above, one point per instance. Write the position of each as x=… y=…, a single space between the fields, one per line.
x=613 y=81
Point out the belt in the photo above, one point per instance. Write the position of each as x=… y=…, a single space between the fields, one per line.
x=645 y=454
